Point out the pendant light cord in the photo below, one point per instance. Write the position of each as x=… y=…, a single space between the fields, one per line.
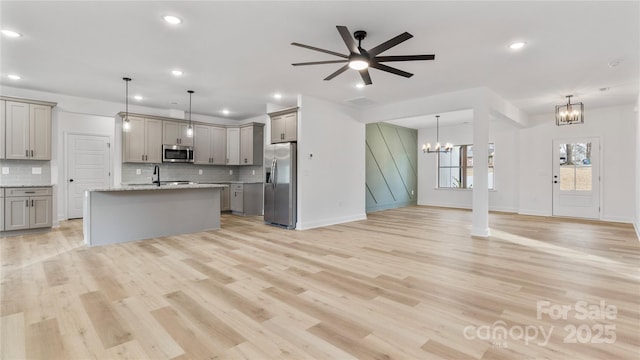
x=126 y=98
x=190 y=93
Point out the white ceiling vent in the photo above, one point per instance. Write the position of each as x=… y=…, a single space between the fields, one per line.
x=361 y=101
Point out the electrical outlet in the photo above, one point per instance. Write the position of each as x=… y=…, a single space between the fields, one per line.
x=412 y=192
x=36 y=170
x=199 y=171
x=138 y=171
x=230 y=171
x=253 y=172
x=5 y=170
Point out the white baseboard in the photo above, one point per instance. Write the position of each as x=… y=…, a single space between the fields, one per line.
x=331 y=221
x=636 y=225
x=467 y=207
x=617 y=219
x=447 y=205
x=534 y=212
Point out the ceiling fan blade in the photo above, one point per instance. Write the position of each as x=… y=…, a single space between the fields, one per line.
x=348 y=40
x=404 y=58
x=389 y=43
x=340 y=71
x=390 y=69
x=321 y=50
x=365 y=77
x=320 y=62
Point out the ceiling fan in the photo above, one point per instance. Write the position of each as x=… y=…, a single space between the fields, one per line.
x=361 y=59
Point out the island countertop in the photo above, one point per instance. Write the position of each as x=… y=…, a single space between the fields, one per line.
x=169 y=186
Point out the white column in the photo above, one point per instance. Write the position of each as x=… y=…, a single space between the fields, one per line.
x=480 y=214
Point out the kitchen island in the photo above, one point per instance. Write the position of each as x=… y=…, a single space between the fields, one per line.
x=121 y=214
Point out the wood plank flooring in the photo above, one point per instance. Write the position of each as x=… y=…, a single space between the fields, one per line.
x=407 y=283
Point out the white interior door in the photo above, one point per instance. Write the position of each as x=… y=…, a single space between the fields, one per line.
x=88 y=165
x=576 y=178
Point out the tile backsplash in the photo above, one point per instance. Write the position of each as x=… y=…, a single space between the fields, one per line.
x=25 y=172
x=189 y=172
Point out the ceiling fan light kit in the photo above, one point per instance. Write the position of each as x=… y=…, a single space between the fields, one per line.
x=360 y=59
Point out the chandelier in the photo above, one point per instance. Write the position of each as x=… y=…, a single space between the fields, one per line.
x=569 y=113
x=426 y=148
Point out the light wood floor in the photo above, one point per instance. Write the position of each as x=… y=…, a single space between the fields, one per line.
x=405 y=284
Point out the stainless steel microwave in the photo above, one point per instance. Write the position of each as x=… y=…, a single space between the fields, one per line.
x=177 y=153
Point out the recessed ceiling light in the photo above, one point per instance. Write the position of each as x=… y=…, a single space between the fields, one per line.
x=11 y=33
x=177 y=72
x=14 y=77
x=277 y=96
x=171 y=19
x=359 y=85
x=517 y=45
x=225 y=111
x=138 y=97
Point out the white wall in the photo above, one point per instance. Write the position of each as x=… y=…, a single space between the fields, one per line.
x=505 y=195
x=74 y=123
x=615 y=126
x=637 y=220
x=331 y=164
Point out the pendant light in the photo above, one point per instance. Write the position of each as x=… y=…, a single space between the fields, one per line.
x=125 y=124
x=190 y=128
x=569 y=113
x=426 y=148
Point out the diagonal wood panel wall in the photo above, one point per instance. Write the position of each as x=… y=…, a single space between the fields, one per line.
x=391 y=166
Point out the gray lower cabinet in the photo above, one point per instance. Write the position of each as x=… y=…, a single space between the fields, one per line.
x=225 y=199
x=1 y=209
x=246 y=199
x=27 y=208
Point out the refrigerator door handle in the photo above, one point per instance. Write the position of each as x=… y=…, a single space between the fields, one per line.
x=274 y=169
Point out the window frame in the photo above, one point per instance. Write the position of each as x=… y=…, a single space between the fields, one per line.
x=463 y=167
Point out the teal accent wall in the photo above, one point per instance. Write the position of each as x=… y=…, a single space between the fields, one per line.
x=391 y=166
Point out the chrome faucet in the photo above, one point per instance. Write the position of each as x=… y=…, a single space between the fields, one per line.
x=156 y=171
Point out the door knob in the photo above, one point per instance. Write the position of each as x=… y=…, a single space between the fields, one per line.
x=70 y=180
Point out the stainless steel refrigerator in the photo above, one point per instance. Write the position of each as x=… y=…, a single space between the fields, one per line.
x=280 y=185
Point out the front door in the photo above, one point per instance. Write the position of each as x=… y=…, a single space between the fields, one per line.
x=87 y=167
x=576 y=178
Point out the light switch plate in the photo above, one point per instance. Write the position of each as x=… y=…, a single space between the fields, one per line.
x=36 y=170
x=199 y=171
x=138 y=172
x=253 y=172
x=230 y=171
x=5 y=170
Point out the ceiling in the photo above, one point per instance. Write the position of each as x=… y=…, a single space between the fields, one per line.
x=236 y=55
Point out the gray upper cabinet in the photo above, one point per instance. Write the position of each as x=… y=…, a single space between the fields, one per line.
x=142 y=143
x=202 y=145
x=2 y=127
x=174 y=132
x=210 y=145
x=284 y=126
x=251 y=144
x=233 y=146
x=27 y=131
x=219 y=146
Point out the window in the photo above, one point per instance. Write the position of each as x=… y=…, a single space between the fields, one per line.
x=455 y=168
x=575 y=167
